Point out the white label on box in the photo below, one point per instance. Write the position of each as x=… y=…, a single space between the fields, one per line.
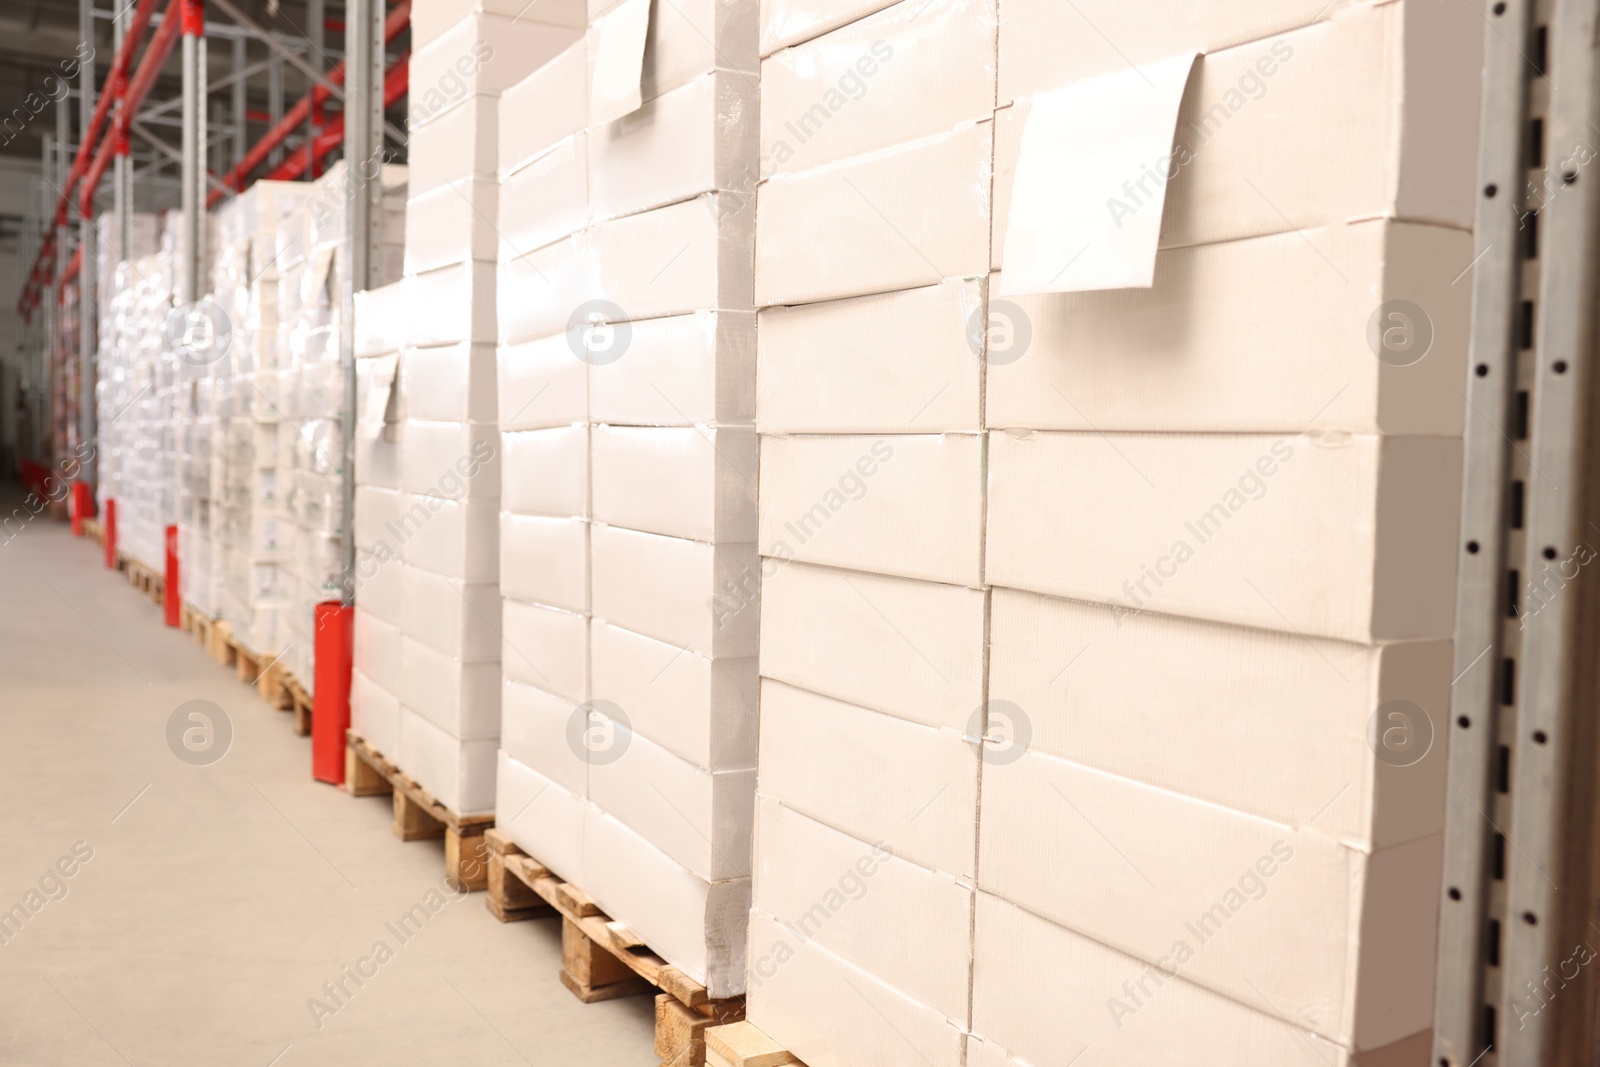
x=1091 y=181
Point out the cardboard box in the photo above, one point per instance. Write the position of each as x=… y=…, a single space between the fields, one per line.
x=787 y=22
x=541 y=383
x=910 y=649
x=692 y=482
x=460 y=774
x=665 y=587
x=536 y=730
x=908 y=505
x=454 y=383
x=460 y=144
x=878 y=778
x=546 y=292
x=454 y=618
x=375 y=650
x=374 y=712
x=453 y=224
x=546 y=647
x=376 y=508
x=685 y=370
x=1284 y=919
x=457 y=460
x=905 y=362
x=1203 y=351
x=545 y=820
x=545 y=560
x=905 y=925
x=1044 y=993
x=682 y=41
x=913 y=70
x=381 y=319
x=696 y=926
x=687 y=257
x=458 y=539
x=698 y=138
x=461 y=698
x=701 y=819
x=835 y=1015
x=482 y=55
x=546 y=472
x=905 y=217
x=699 y=708
x=546 y=107
x=1208 y=716
x=545 y=200
x=437 y=17
x=451 y=304
x=380 y=576
x=1282 y=135
x=1328 y=535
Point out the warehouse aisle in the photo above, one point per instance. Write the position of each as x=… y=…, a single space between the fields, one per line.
x=207 y=906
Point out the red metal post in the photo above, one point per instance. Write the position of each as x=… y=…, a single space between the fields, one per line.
x=171 y=595
x=111 y=534
x=330 y=709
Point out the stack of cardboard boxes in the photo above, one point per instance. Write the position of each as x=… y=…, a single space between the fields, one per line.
x=630 y=572
x=1101 y=630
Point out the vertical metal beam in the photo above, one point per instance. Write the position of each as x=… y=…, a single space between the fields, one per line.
x=241 y=137
x=88 y=268
x=193 y=178
x=38 y=387
x=363 y=156
x=275 y=103
x=121 y=164
x=316 y=36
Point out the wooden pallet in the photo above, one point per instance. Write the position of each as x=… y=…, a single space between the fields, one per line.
x=602 y=959
x=222 y=647
x=94 y=531
x=418 y=814
x=742 y=1044
x=198 y=624
x=145 y=579
x=300 y=704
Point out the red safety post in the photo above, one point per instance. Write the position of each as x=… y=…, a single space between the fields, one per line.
x=82 y=506
x=171 y=595
x=330 y=702
x=111 y=534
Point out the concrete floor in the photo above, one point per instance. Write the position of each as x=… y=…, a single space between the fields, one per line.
x=219 y=899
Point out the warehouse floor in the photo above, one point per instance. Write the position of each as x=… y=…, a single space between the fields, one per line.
x=217 y=900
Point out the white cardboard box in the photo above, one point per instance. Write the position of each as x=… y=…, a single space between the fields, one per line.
x=905 y=362
x=536 y=730
x=664 y=587
x=911 y=649
x=541 y=383
x=545 y=820
x=905 y=217
x=691 y=481
x=1284 y=919
x=546 y=647
x=459 y=144
x=484 y=54
x=699 y=708
x=454 y=618
x=462 y=699
x=458 y=539
x=908 y=505
x=459 y=773
x=453 y=383
x=544 y=292
x=1326 y=535
x=698 y=138
x=438 y=16
x=787 y=22
x=547 y=106
x=374 y=713
x=913 y=70
x=906 y=925
x=546 y=472
x=684 y=370
x=545 y=200
x=545 y=560
x=451 y=304
x=1275 y=725
x=375 y=650
x=1203 y=350
x=453 y=224
x=456 y=460
x=873 y=776
x=674 y=260
x=1372 y=114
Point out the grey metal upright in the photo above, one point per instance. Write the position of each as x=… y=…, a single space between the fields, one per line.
x=88 y=267
x=1518 y=939
x=194 y=153
x=363 y=156
x=122 y=164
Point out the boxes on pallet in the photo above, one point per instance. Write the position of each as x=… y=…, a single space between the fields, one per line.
x=627 y=378
x=881 y=324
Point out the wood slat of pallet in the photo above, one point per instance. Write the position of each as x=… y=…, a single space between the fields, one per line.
x=742 y=1044
x=222 y=646
x=593 y=973
x=418 y=815
x=680 y=1033
x=300 y=701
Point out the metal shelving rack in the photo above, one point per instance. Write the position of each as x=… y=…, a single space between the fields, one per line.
x=1519 y=930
